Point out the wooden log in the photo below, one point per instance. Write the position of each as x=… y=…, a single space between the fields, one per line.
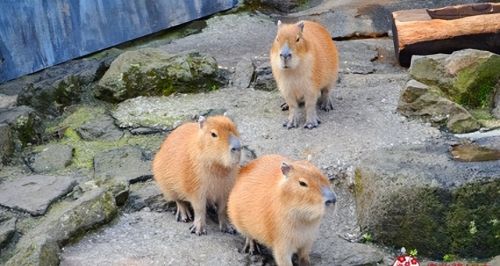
x=423 y=32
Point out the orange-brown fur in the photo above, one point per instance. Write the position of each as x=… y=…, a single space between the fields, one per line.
x=312 y=71
x=194 y=166
x=274 y=209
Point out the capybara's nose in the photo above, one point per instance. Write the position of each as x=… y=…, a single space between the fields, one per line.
x=285 y=53
x=234 y=143
x=328 y=195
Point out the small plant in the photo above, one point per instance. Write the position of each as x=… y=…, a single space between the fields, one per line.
x=367 y=238
x=413 y=252
x=448 y=257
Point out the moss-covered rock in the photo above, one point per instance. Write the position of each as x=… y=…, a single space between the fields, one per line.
x=51 y=90
x=417 y=197
x=154 y=72
x=24 y=123
x=64 y=222
x=428 y=102
x=467 y=77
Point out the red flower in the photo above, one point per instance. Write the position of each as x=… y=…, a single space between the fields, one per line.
x=401 y=258
x=414 y=261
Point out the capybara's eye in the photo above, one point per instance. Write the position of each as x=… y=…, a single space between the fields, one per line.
x=302 y=183
x=298 y=39
x=214 y=135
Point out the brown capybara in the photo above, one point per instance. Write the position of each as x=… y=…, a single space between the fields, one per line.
x=197 y=164
x=279 y=203
x=305 y=63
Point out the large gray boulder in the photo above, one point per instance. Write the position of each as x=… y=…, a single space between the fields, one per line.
x=34 y=194
x=152 y=71
x=420 y=100
x=417 y=197
x=466 y=77
x=41 y=245
x=53 y=89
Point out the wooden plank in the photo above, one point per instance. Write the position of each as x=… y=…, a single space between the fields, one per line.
x=417 y=33
x=35 y=34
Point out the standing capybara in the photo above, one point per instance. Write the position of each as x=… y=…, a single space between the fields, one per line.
x=305 y=63
x=279 y=203
x=198 y=163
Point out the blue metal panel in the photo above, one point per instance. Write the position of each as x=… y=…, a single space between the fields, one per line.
x=35 y=34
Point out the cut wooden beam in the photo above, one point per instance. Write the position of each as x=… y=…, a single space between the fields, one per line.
x=466 y=26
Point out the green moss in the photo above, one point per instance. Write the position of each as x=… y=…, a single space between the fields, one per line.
x=75 y=119
x=358 y=185
x=86 y=150
x=415 y=219
x=475 y=84
x=471 y=220
x=464 y=221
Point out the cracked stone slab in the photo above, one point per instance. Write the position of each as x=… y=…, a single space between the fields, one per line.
x=35 y=193
x=52 y=158
x=124 y=164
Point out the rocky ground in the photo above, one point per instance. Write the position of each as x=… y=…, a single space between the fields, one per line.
x=77 y=162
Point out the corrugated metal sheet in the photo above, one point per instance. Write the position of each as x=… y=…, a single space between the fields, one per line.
x=35 y=34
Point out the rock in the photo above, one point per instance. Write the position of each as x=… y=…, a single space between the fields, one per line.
x=53 y=157
x=41 y=245
x=79 y=118
x=100 y=127
x=415 y=196
x=51 y=90
x=6 y=143
x=243 y=73
x=25 y=124
x=123 y=164
x=7 y=230
x=264 y=79
x=154 y=113
x=496 y=103
x=466 y=77
x=147 y=195
x=38 y=192
x=281 y=5
x=347 y=253
x=357 y=57
x=154 y=72
x=229 y=38
x=343 y=23
x=8 y=101
x=420 y=100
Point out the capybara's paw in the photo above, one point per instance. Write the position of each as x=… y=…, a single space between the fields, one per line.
x=227 y=228
x=284 y=107
x=198 y=228
x=326 y=105
x=251 y=247
x=291 y=123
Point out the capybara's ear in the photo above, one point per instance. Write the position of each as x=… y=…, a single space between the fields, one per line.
x=300 y=24
x=285 y=168
x=201 y=121
x=279 y=23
